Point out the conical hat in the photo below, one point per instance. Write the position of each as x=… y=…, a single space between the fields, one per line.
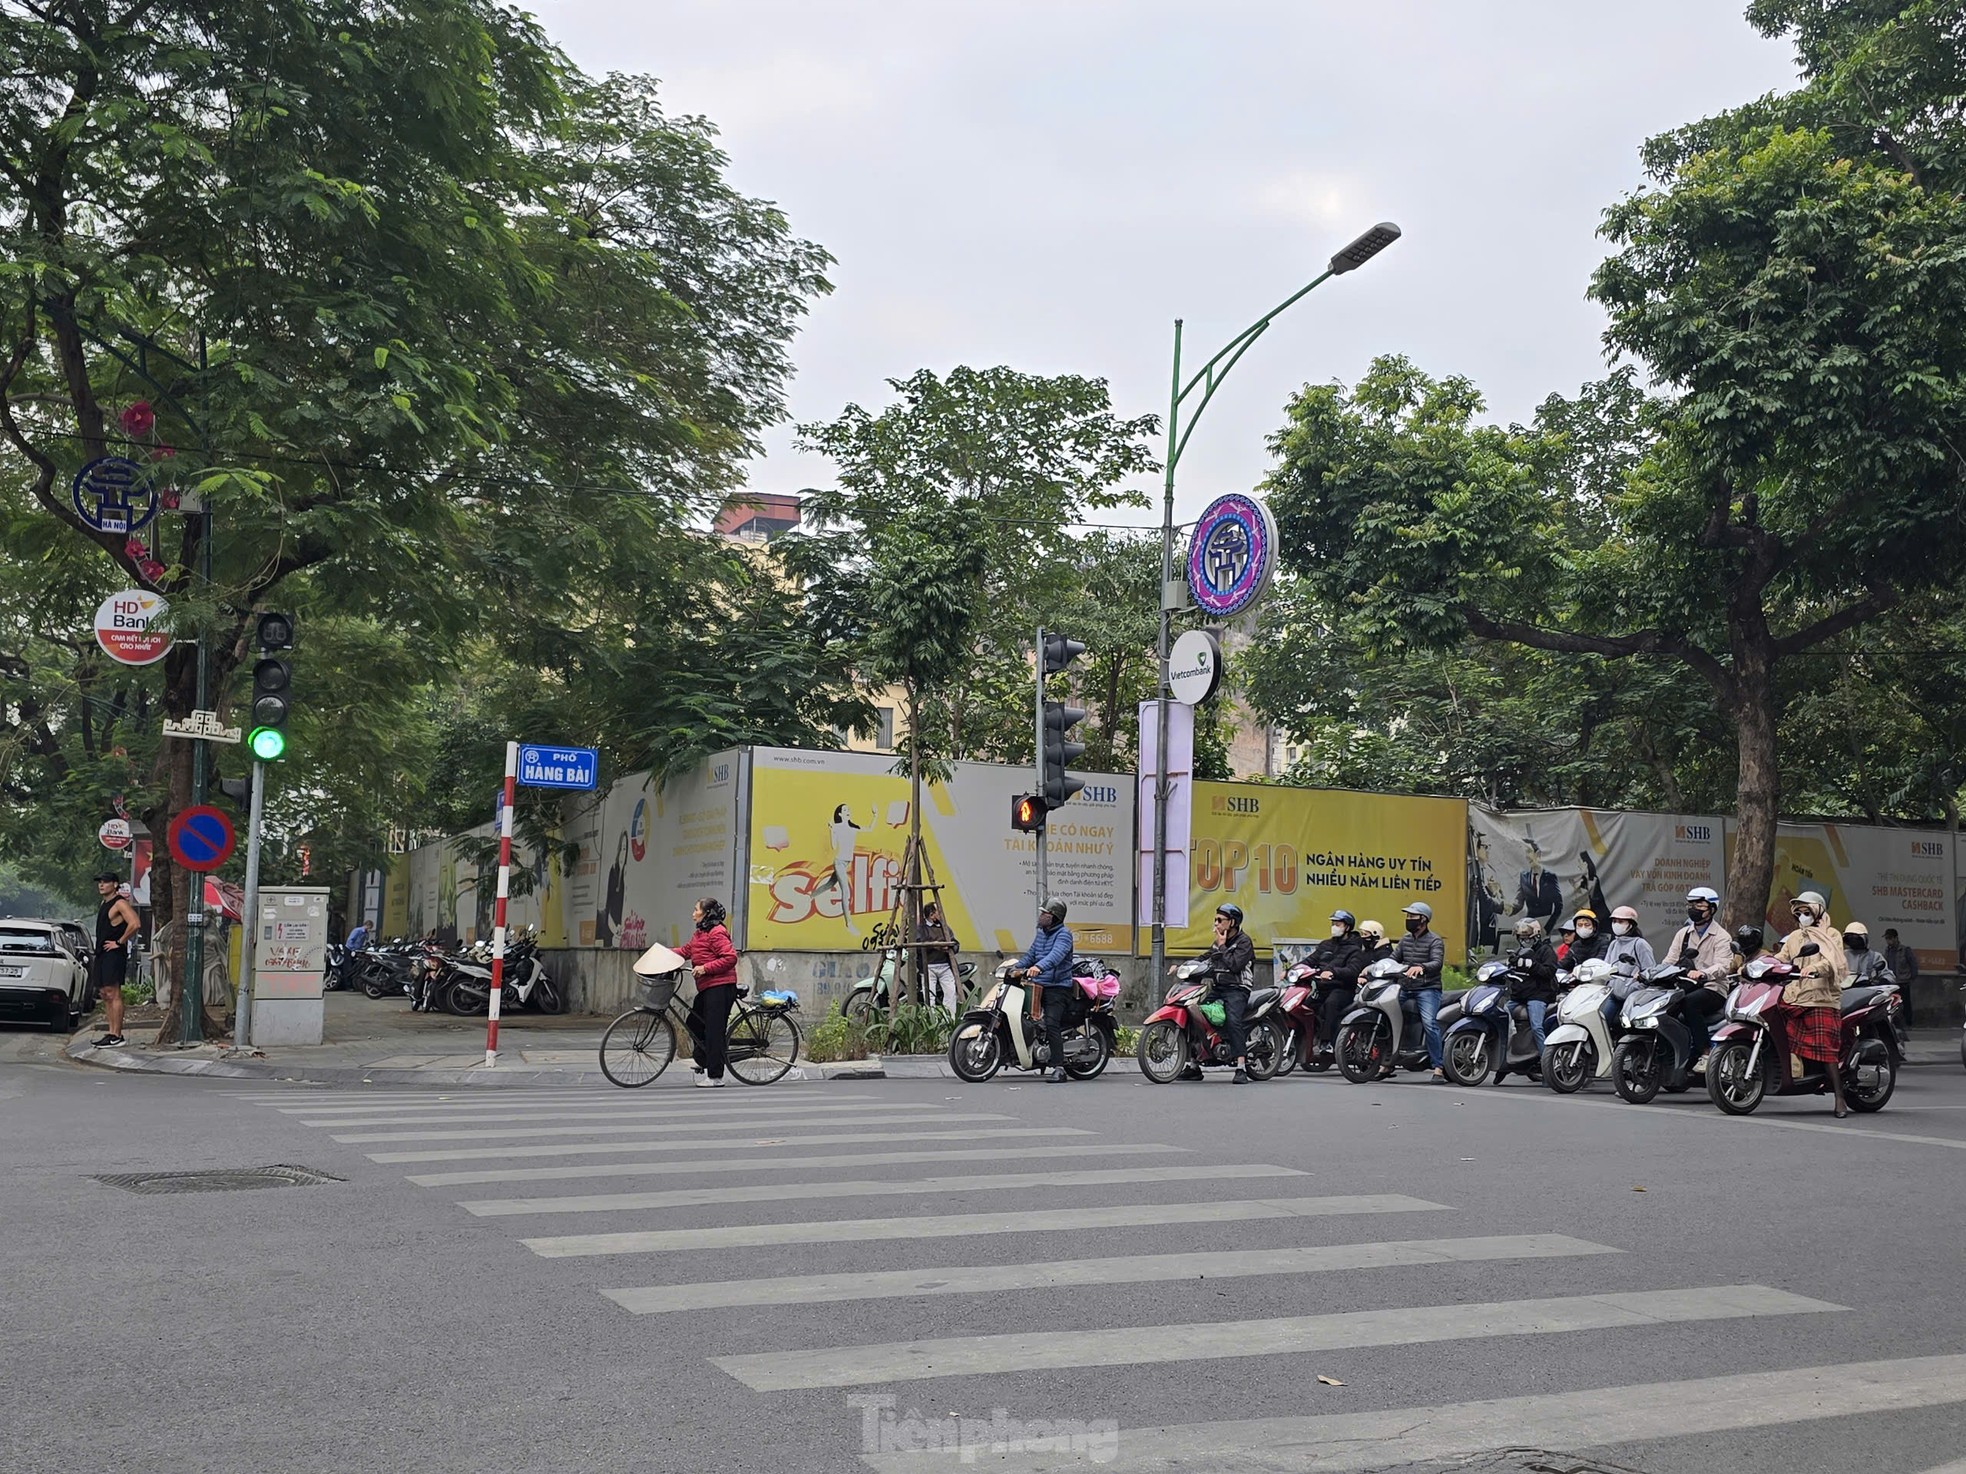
x=658 y=960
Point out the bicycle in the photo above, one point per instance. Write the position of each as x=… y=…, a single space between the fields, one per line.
x=763 y=1038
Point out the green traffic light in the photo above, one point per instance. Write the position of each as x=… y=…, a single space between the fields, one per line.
x=267 y=743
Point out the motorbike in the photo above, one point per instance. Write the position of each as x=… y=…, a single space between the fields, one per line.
x=875 y=990
x=999 y=1032
x=1660 y=1045
x=1750 y=1059
x=1167 y=1039
x=525 y=984
x=1382 y=1033
x=1578 y=1049
x=1492 y=1032
x=1297 y=1017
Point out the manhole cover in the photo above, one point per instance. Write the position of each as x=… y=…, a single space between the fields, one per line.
x=217 y=1179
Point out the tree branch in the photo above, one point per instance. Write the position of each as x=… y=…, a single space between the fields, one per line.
x=1639 y=642
x=1847 y=618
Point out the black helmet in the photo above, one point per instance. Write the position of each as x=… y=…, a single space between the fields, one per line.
x=1344 y=916
x=1056 y=908
x=1748 y=939
x=1231 y=910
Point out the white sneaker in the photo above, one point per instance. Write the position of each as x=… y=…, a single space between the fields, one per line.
x=704 y=1082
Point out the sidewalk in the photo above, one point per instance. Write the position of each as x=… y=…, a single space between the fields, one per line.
x=379 y=1041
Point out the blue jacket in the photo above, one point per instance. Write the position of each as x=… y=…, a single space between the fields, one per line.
x=1050 y=953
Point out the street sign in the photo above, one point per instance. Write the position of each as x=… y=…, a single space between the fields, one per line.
x=200 y=838
x=129 y=627
x=1194 y=668
x=203 y=726
x=558 y=767
x=115 y=834
x=1232 y=555
x=114 y=494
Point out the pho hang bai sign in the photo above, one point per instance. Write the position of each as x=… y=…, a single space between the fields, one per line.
x=131 y=627
x=1231 y=556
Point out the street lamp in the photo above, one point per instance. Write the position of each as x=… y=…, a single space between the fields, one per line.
x=1173 y=596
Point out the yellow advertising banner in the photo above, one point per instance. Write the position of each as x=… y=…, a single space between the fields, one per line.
x=1291 y=856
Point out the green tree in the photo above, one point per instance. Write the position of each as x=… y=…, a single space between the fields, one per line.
x=1794 y=279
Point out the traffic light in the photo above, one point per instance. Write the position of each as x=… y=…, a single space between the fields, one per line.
x=1027 y=813
x=1059 y=652
x=272 y=688
x=1056 y=786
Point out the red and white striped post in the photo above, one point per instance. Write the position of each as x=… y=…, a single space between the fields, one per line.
x=498 y=913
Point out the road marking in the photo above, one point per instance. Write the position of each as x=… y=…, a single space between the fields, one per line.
x=563 y=1115
x=1349 y=1443
x=519 y=1108
x=814 y=1289
x=763 y=1164
x=967 y=1356
x=782 y=1192
x=773 y=1134
x=737 y=1119
x=963 y=1225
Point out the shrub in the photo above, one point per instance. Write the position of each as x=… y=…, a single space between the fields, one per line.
x=1126 y=1039
x=911 y=1028
x=834 y=1038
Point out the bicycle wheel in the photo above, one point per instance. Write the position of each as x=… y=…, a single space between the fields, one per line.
x=637 y=1047
x=764 y=1044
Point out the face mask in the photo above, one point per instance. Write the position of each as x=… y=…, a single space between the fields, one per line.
x=1415 y=925
x=1697 y=915
x=1339 y=930
x=1805 y=918
x=1621 y=928
x=1586 y=931
x=1856 y=944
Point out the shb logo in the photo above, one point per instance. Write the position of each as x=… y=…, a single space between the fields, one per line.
x=1928 y=849
x=1692 y=833
x=1225 y=805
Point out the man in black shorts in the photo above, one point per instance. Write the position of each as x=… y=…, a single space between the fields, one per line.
x=116 y=925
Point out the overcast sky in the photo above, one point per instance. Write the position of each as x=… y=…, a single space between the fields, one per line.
x=1048 y=185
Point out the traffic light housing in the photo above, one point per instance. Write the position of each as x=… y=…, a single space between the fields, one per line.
x=272 y=688
x=1059 y=652
x=1056 y=785
x=1027 y=813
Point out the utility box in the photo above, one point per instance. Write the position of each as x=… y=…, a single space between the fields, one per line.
x=290 y=958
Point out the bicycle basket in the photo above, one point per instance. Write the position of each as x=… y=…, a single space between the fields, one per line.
x=657 y=991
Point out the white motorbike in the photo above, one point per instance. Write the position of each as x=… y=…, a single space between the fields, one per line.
x=1000 y=1033
x=1380 y=1033
x=1578 y=1049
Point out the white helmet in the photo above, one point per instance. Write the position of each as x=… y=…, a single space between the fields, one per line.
x=1813 y=900
x=1704 y=893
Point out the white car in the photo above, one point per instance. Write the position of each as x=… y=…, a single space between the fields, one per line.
x=40 y=977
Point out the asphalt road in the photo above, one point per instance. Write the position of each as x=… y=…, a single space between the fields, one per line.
x=775 y=1280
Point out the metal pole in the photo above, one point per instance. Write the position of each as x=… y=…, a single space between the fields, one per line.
x=1157 y=950
x=242 y=1029
x=1037 y=767
x=498 y=910
x=191 y=988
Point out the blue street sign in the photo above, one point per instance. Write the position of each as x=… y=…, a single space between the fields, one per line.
x=114 y=494
x=557 y=767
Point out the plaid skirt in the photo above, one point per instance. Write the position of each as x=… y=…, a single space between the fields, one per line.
x=1815 y=1033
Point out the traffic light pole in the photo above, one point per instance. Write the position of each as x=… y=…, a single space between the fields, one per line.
x=242 y=1030
x=1037 y=764
x=191 y=987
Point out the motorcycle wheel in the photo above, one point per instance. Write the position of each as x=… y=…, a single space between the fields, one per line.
x=1873 y=1099
x=976 y=1053
x=1466 y=1060
x=1265 y=1048
x=1293 y=1048
x=1567 y=1068
x=1162 y=1051
x=464 y=999
x=1103 y=1054
x=374 y=988
x=550 y=998
x=1728 y=1082
x=1635 y=1071
x=859 y=1007
x=1361 y=1052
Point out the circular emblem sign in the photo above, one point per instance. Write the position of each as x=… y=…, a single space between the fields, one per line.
x=115 y=834
x=114 y=494
x=129 y=627
x=1194 y=667
x=1231 y=556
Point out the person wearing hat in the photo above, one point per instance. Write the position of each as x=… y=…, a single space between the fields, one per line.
x=1232 y=962
x=1566 y=938
x=1703 y=947
x=1335 y=965
x=1814 y=1000
x=1629 y=952
x=1866 y=968
x=1377 y=948
x=1586 y=940
x=116 y=926
x=1423 y=954
x=1047 y=966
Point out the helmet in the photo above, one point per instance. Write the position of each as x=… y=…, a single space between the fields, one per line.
x=1625 y=913
x=1231 y=910
x=1568 y=926
x=1855 y=929
x=1373 y=930
x=1344 y=916
x=1749 y=938
x=1585 y=915
x=1419 y=908
x=1704 y=893
x=1529 y=928
x=1813 y=900
x=1056 y=908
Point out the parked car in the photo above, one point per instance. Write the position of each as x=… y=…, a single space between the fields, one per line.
x=40 y=976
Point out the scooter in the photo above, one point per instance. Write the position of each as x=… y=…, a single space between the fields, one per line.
x=1168 y=1038
x=1660 y=1046
x=1492 y=1033
x=1578 y=1049
x=1297 y=1017
x=875 y=990
x=525 y=984
x=999 y=1033
x=1382 y=1032
x=1750 y=1059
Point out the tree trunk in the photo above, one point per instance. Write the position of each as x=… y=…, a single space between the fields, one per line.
x=1751 y=868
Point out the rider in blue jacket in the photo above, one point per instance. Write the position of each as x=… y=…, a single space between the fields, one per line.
x=1047 y=964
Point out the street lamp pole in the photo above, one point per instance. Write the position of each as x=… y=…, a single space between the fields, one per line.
x=1208 y=379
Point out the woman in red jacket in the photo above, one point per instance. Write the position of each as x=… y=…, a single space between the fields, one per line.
x=714 y=956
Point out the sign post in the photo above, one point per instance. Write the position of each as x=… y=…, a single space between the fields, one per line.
x=498 y=910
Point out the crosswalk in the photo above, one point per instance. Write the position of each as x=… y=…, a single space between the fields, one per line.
x=634 y=1184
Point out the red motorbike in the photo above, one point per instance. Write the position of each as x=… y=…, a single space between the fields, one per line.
x=1167 y=1038
x=1751 y=1061
x=1296 y=1015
